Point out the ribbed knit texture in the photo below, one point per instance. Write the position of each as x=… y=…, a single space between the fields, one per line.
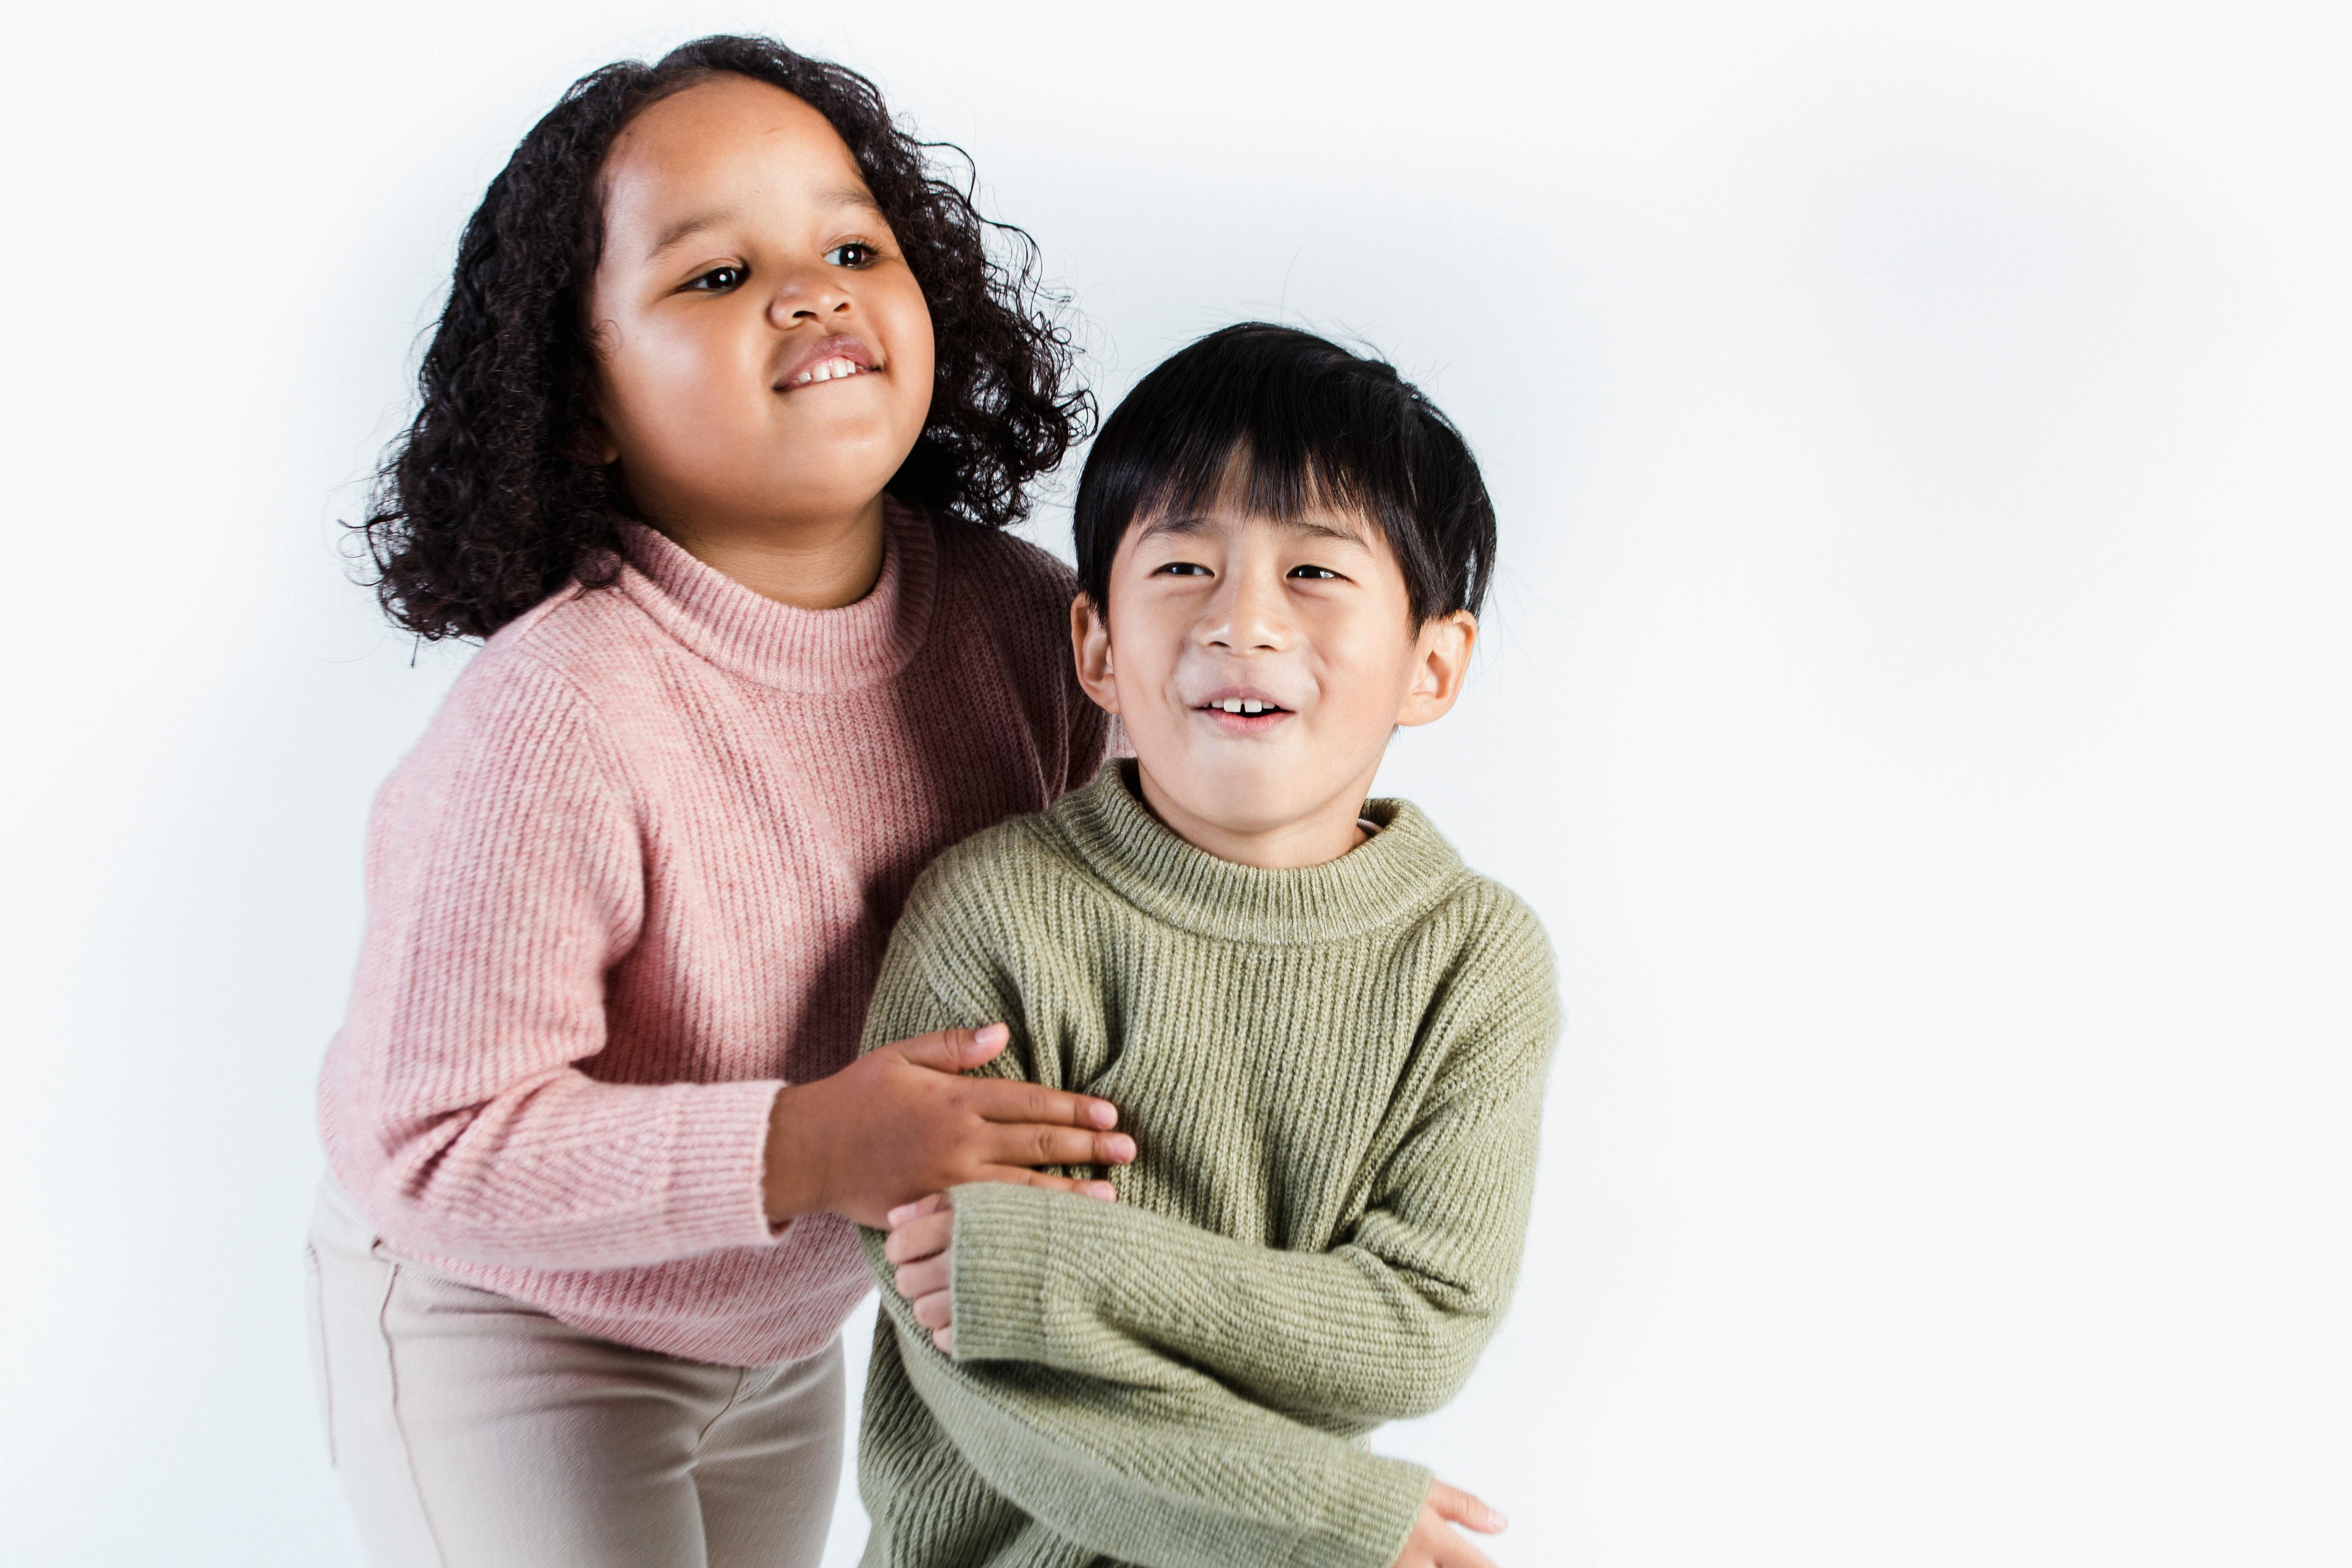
x=1333 y=1077
x=638 y=873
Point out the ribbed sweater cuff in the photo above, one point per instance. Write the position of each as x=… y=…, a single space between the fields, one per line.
x=716 y=1193
x=1000 y=1272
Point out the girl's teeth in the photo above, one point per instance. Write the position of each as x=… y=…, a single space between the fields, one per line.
x=1241 y=705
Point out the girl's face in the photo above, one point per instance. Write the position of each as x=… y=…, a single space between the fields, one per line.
x=764 y=354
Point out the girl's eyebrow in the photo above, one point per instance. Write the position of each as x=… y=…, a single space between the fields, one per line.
x=695 y=223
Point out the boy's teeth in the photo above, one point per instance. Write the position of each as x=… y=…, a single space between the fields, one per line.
x=1241 y=705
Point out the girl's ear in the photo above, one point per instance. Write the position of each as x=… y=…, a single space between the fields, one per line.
x=1091 y=646
x=591 y=444
x=1440 y=663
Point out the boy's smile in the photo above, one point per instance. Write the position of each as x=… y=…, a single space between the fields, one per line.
x=1259 y=664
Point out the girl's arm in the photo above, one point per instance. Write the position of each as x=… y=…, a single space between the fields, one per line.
x=505 y=879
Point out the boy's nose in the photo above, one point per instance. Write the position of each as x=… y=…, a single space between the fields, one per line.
x=1248 y=616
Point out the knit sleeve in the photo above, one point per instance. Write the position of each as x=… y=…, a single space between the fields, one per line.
x=506 y=876
x=1179 y=1474
x=1163 y=1471
x=1387 y=1324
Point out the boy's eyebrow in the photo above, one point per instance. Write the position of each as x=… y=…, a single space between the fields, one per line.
x=1186 y=524
x=695 y=223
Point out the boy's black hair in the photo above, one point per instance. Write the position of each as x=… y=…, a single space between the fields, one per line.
x=1308 y=423
x=483 y=506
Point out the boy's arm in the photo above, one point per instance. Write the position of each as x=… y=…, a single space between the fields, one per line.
x=1180 y=1473
x=1165 y=1470
x=1388 y=1324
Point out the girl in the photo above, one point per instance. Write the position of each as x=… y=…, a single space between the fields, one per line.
x=721 y=419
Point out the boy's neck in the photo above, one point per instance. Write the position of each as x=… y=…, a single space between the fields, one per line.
x=1315 y=838
x=817 y=564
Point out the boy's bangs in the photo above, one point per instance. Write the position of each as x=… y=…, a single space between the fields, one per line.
x=1282 y=425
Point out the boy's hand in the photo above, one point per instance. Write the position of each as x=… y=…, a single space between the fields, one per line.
x=1433 y=1543
x=900 y=1122
x=922 y=1244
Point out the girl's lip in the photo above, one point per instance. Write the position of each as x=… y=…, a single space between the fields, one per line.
x=839 y=358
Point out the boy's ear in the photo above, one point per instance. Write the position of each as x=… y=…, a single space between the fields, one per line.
x=1091 y=646
x=1440 y=663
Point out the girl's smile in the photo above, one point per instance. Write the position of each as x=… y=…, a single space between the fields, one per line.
x=836 y=358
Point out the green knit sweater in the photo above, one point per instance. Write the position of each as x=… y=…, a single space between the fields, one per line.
x=1333 y=1077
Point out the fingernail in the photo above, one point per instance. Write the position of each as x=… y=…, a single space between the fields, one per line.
x=902 y=1214
x=991 y=1033
x=1102 y=1190
x=1122 y=1148
x=1496 y=1520
x=1103 y=1113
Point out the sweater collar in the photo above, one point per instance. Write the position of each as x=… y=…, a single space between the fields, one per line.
x=1402 y=870
x=783 y=646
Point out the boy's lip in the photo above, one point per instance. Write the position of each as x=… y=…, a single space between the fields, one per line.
x=840 y=357
x=1271 y=710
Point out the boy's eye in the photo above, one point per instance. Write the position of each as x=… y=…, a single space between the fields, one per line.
x=1185 y=569
x=1319 y=574
x=719 y=279
x=856 y=253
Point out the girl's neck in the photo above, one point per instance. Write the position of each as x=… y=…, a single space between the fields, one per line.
x=818 y=565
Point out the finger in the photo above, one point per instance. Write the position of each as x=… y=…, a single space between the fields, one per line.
x=1001 y=1100
x=1455 y=1552
x=1016 y=1175
x=935 y=1310
x=920 y=1238
x=1454 y=1504
x=931 y=1203
x=916 y=1281
x=951 y=1050
x=1038 y=1145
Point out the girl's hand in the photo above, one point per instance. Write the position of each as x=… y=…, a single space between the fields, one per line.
x=900 y=1123
x=1433 y=1543
x=922 y=1244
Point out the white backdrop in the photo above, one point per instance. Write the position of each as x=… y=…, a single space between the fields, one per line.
x=1917 y=701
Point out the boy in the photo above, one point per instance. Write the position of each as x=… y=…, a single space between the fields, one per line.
x=1327 y=1038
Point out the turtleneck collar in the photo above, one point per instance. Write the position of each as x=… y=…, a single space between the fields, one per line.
x=1400 y=871
x=783 y=646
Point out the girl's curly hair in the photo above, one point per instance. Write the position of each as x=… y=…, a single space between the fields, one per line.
x=480 y=509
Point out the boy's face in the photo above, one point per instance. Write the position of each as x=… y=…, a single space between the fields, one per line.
x=1309 y=622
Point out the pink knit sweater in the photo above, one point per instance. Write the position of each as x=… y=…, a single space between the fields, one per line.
x=638 y=873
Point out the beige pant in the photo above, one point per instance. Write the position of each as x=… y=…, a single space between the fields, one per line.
x=472 y=1431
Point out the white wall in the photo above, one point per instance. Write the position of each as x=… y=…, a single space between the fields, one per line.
x=1917 y=702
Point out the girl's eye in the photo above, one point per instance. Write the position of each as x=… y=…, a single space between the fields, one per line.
x=856 y=253
x=1185 y=569
x=1317 y=573
x=717 y=280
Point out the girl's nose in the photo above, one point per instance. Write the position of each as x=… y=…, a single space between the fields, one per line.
x=808 y=293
